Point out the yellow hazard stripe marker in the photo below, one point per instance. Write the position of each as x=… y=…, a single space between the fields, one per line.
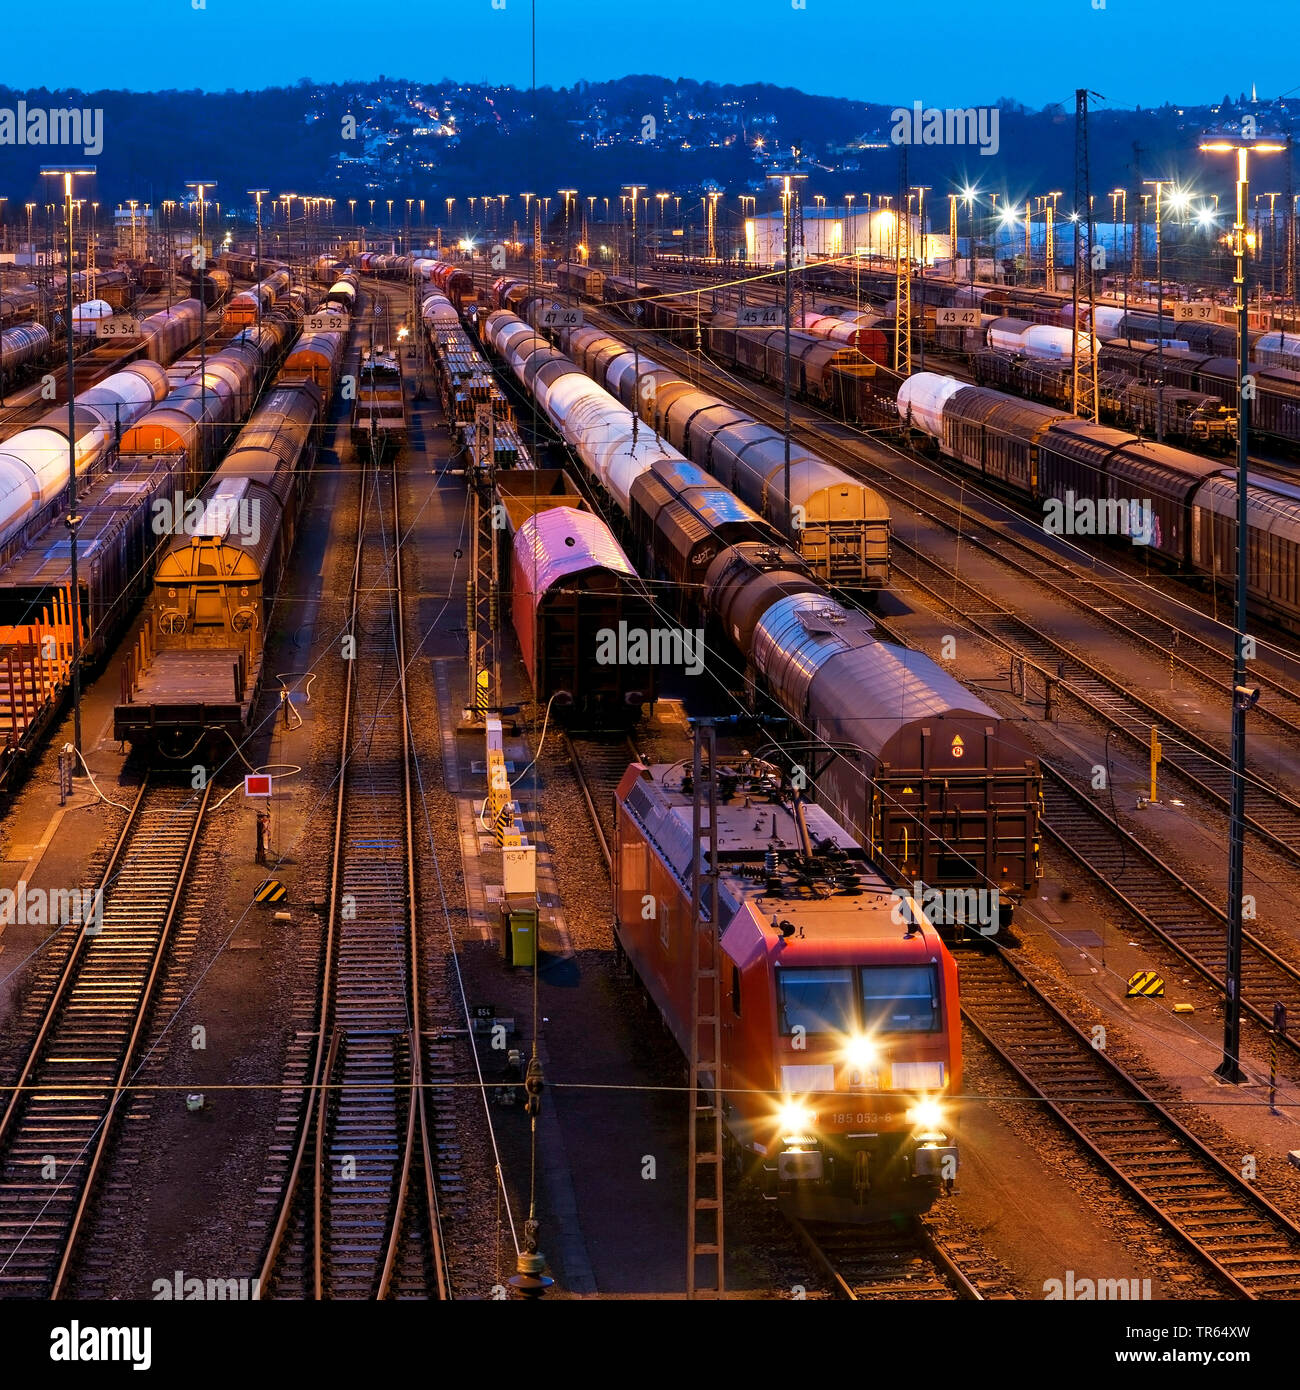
x=1145 y=984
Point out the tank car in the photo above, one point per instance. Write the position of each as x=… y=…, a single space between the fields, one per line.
x=34 y=462
x=843 y=525
x=198 y=413
x=22 y=345
x=86 y=316
x=342 y=294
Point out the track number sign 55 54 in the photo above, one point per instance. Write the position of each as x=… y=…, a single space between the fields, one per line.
x=118 y=326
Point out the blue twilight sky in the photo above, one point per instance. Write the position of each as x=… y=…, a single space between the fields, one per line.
x=1131 y=51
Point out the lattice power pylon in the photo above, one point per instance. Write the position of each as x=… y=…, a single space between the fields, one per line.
x=1049 y=270
x=483 y=597
x=1084 y=393
x=903 y=273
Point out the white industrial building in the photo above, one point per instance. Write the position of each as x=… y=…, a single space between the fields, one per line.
x=833 y=232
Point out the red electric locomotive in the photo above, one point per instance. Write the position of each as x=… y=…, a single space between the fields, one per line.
x=840 y=1028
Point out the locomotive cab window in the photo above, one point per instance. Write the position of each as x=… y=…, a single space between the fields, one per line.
x=900 y=999
x=819 y=1001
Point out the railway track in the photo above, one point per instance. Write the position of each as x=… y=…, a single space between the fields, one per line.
x=1232 y=1229
x=359 y=1215
x=1165 y=903
x=59 y=1125
x=599 y=765
x=1182 y=648
x=904 y=1263
x=1271 y=814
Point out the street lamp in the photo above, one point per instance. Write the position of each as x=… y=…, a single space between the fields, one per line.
x=1272 y=241
x=634 y=189
x=1229 y=1070
x=566 y=194
x=259 y=193
x=921 y=189
x=1159 y=185
x=1121 y=194
x=200 y=187
x=969 y=196
x=69 y=172
x=787 y=208
x=287 y=200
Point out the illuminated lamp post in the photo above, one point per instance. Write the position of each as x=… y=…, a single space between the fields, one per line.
x=1243 y=696
x=200 y=186
x=69 y=172
x=259 y=193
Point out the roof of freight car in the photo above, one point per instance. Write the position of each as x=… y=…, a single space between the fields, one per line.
x=560 y=542
x=874 y=692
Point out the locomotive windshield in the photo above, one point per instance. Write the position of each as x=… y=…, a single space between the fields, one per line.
x=900 y=999
x=819 y=1001
x=873 y=999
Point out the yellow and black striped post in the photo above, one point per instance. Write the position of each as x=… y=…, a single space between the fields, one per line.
x=481 y=684
x=272 y=891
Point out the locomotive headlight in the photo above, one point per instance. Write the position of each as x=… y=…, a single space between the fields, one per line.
x=861 y=1052
x=926 y=1114
x=795 y=1121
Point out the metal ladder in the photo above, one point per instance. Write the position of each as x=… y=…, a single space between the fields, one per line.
x=705 y=1247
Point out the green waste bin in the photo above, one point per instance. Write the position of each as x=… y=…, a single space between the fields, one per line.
x=519 y=929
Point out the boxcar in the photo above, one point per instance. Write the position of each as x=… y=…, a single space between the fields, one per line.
x=570 y=586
